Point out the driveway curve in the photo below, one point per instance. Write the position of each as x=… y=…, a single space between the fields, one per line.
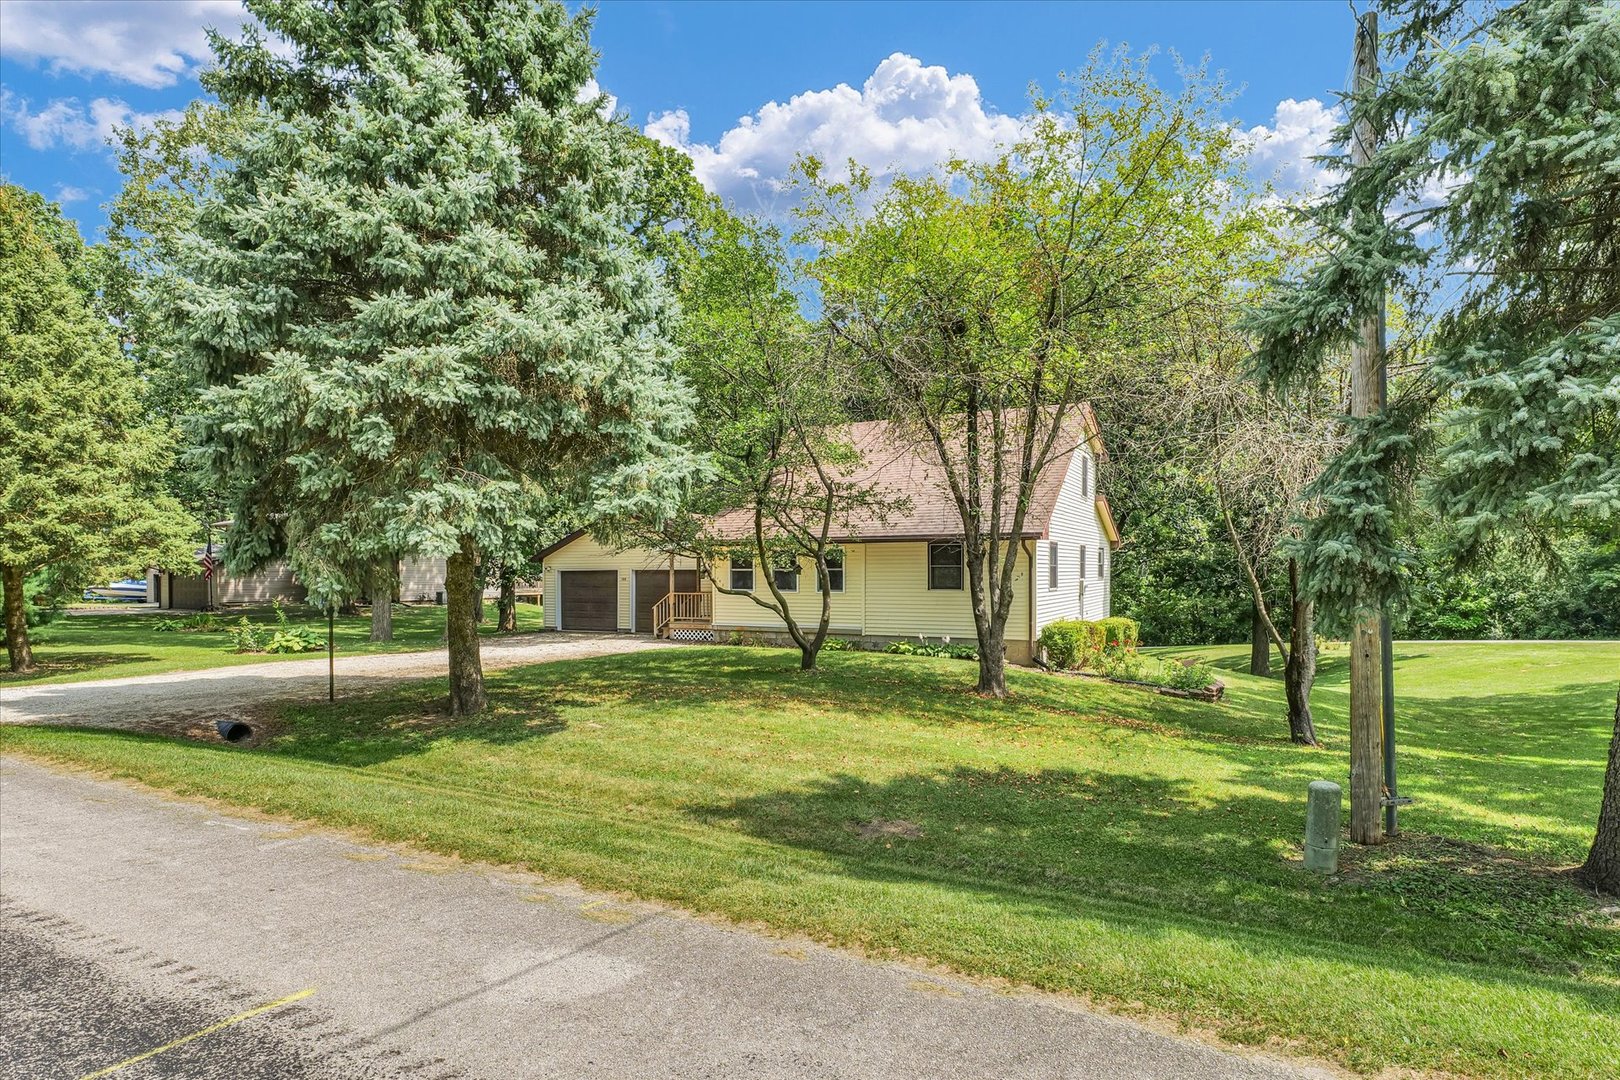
x=180 y=699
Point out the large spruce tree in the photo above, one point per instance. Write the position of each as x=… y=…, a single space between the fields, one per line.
x=1493 y=206
x=80 y=466
x=415 y=299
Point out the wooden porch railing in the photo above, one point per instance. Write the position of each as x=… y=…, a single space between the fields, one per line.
x=683 y=609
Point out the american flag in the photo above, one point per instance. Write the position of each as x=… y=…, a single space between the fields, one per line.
x=208 y=563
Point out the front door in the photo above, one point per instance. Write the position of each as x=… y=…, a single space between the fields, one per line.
x=652 y=586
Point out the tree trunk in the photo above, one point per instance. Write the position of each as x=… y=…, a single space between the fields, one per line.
x=463 y=598
x=382 y=601
x=1366 y=732
x=1299 y=670
x=993 y=663
x=17 y=647
x=507 y=619
x=1259 y=645
x=1602 y=867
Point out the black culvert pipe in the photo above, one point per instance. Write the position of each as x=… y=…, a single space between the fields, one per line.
x=233 y=731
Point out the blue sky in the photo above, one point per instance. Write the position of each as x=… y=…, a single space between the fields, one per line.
x=742 y=87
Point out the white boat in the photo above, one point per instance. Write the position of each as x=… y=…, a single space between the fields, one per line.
x=128 y=589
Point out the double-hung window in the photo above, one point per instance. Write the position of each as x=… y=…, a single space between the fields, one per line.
x=742 y=574
x=945 y=565
x=835 y=572
x=1052 y=564
x=787 y=578
x=1102 y=564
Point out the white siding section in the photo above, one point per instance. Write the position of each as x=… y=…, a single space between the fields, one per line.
x=1075 y=525
x=586 y=553
x=421 y=578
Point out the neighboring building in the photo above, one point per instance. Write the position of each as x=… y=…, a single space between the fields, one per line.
x=902 y=576
x=421 y=580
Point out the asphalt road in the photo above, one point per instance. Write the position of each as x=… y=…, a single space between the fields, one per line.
x=130 y=922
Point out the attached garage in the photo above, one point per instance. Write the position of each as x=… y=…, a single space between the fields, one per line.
x=652 y=586
x=589 y=599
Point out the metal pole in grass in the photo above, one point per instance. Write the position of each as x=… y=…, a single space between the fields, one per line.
x=331 y=664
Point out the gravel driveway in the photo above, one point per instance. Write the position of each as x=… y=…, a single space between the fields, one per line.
x=179 y=700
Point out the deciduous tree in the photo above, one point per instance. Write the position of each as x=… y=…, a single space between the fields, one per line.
x=80 y=472
x=988 y=299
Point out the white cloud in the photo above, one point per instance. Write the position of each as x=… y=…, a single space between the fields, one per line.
x=65 y=122
x=67 y=193
x=591 y=90
x=1281 y=152
x=151 y=43
x=904 y=118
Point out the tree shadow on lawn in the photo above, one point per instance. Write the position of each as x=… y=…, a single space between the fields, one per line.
x=920 y=690
x=50 y=665
x=1065 y=841
x=403 y=723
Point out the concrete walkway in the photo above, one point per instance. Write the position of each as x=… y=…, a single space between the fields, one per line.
x=186 y=918
x=176 y=699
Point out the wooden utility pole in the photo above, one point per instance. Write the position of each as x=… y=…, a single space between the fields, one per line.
x=1366 y=399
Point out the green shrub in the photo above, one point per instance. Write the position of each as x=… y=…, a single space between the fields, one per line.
x=1077 y=644
x=1071 y=644
x=245 y=637
x=924 y=647
x=838 y=644
x=204 y=622
x=1119 y=632
x=1135 y=667
x=294 y=639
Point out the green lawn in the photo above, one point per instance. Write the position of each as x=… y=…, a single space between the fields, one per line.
x=1139 y=851
x=73 y=648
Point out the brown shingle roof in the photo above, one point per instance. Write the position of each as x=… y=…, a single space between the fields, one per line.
x=896 y=467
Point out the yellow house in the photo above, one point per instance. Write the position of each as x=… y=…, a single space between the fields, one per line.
x=902 y=577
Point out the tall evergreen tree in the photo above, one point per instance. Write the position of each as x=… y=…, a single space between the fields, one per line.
x=415 y=299
x=79 y=468
x=1511 y=110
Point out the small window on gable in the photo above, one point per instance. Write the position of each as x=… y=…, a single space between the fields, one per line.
x=945 y=568
x=1052 y=564
x=835 y=572
x=742 y=574
x=1085 y=475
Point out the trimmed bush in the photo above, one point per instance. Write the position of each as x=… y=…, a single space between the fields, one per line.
x=1076 y=644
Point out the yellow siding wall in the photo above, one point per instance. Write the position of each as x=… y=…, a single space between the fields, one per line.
x=847 y=606
x=586 y=553
x=885 y=593
x=900 y=604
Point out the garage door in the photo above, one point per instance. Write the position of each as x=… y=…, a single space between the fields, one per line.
x=652 y=586
x=590 y=599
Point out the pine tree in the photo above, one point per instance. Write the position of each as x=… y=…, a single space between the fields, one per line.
x=79 y=465
x=1516 y=270
x=415 y=300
